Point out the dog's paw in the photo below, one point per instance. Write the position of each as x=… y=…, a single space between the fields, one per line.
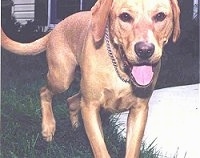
x=75 y=125
x=74 y=121
x=48 y=130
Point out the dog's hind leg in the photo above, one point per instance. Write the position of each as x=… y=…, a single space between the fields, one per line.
x=74 y=109
x=62 y=66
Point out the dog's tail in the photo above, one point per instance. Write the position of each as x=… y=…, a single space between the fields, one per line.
x=31 y=48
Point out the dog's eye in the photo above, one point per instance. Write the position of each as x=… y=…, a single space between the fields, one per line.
x=125 y=17
x=159 y=17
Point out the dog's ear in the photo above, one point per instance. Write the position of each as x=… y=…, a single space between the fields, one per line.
x=176 y=18
x=100 y=12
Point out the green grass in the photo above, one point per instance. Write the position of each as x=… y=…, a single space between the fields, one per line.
x=21 y=137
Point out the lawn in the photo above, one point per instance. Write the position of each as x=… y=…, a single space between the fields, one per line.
x=21 y=114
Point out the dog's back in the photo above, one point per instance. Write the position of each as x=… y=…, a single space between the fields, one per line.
x=74 y=32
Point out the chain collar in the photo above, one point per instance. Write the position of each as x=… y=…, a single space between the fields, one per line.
x=114 y=62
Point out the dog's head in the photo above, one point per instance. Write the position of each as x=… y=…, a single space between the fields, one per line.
x=140 y=28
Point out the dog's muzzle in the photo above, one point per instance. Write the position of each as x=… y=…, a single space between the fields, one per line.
x=141 y=75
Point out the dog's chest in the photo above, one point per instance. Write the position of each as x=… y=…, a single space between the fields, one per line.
x=118 y=99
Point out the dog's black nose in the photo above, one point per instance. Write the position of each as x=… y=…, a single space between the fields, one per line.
x=144 y=50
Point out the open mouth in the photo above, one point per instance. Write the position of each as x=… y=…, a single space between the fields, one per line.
x=142 y=75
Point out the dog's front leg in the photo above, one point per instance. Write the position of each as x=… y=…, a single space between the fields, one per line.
x=135 y=129
x=93 y=127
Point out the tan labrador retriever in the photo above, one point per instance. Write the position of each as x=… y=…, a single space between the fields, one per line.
x=118 y=46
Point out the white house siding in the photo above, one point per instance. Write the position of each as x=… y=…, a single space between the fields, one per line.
x=23 y=10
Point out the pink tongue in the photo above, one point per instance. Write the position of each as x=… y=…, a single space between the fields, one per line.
x=142 y=74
